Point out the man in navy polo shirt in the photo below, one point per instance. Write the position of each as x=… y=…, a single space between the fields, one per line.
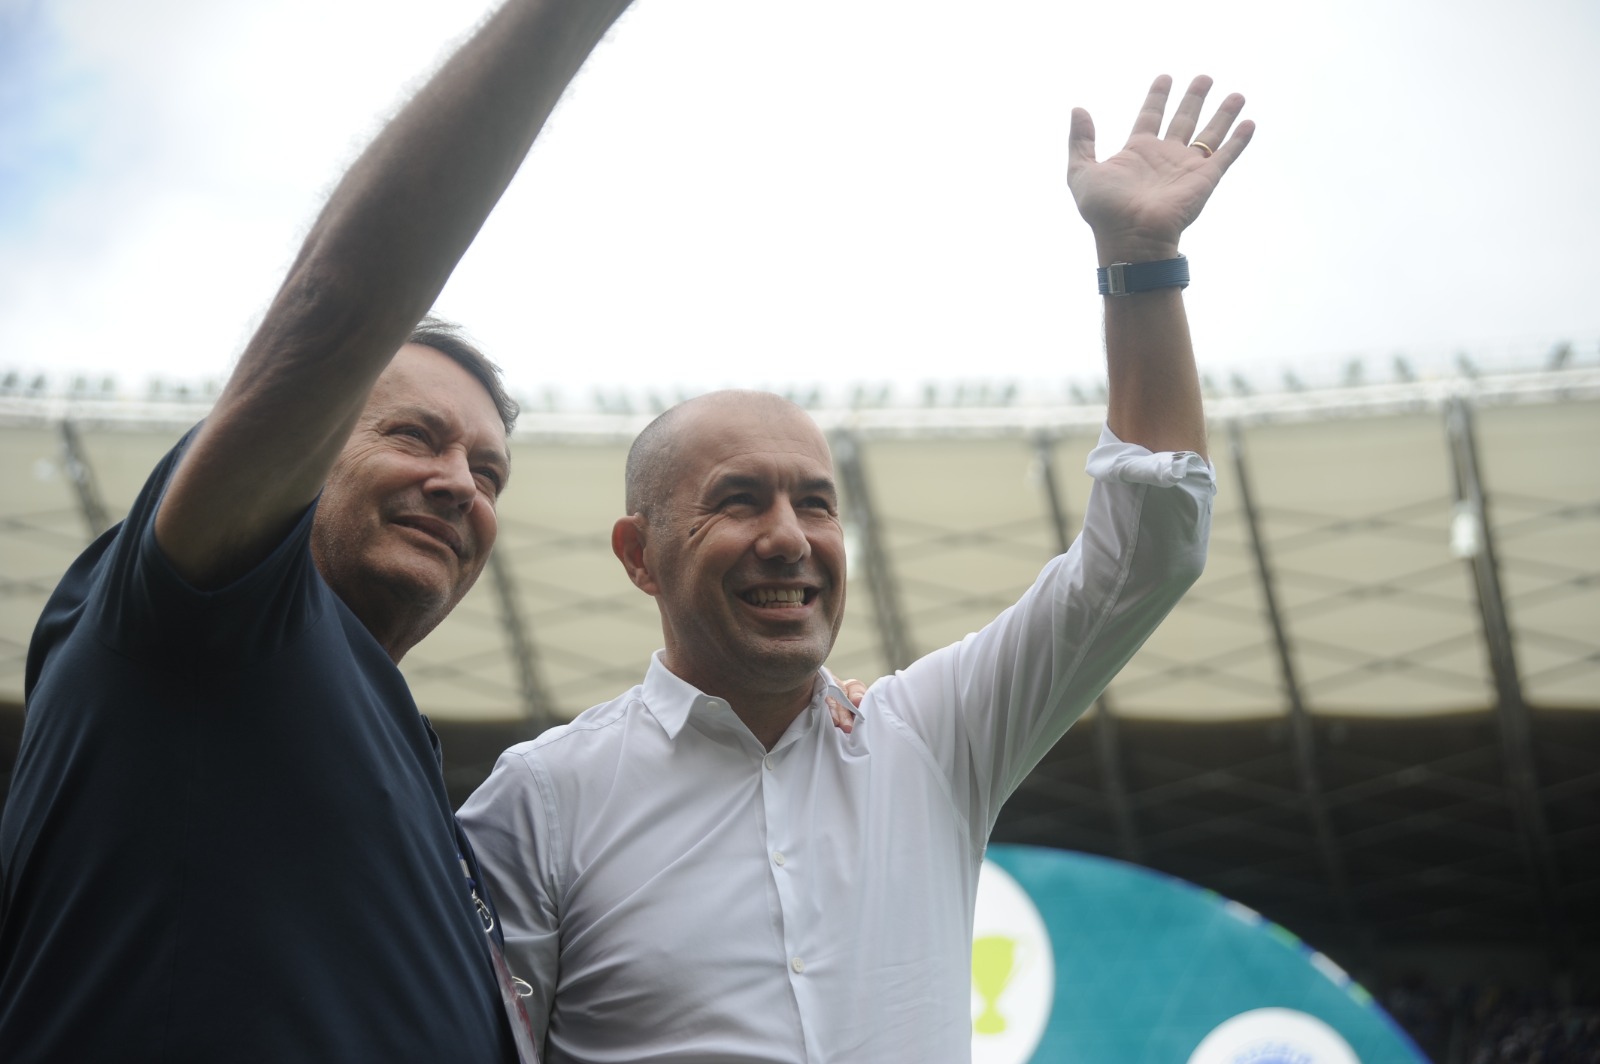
x=227 y=835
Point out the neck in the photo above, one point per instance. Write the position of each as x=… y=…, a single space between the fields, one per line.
x=769 y=716
x=398 y=615
x=765 y=711
x=394 y=643
x=396 y=628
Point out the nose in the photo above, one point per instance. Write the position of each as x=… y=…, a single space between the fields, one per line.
x=782 y=537
x=450 y=482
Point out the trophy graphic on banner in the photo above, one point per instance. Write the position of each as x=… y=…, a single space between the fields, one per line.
x=994 y=962
x=1013 y=971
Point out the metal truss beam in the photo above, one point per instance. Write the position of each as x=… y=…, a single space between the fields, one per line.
x=536 y=707
x=1302 y=736
x=81 y=473
x=1473 y=538
x=1053 y=782
x=1107 y=731
x=1028 y=414
x=893 y=634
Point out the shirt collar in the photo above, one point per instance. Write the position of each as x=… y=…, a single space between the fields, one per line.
x=671 y=699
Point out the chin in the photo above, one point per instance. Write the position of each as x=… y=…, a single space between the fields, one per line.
x=791 y=662
x=418 y=590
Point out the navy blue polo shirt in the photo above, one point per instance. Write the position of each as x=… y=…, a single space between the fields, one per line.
x=227 y=836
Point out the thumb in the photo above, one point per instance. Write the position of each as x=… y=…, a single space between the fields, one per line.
x=1080 y=141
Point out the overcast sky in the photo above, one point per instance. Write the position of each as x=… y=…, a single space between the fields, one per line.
x=765 y=193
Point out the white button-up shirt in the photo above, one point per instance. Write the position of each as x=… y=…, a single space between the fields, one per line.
x=674 y=892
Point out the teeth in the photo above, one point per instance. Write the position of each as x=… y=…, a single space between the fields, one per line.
x=767 y=596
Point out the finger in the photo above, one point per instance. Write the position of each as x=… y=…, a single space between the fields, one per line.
x=843 y=719
x=1187 y=116
x=1155 y=106
x=1080 y=142
x=854 y=690
x=1216 y=130
x=1235 y=145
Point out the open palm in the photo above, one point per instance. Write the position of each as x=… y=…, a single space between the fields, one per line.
x=1149 y=192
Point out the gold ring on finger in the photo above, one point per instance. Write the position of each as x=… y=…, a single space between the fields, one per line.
x=1202 y=145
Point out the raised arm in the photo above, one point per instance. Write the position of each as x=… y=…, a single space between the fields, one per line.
x=377 y=257
x=1138 y=202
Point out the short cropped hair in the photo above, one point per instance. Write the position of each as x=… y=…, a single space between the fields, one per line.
x=653 y=459
x=449 y=339
x=649 y=460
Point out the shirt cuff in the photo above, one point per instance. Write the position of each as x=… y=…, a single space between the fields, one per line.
x=1129 y=463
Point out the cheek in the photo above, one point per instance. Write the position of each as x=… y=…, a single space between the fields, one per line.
x=829 y=545
x=333 y=510
x=356 y=492
x=486 y=525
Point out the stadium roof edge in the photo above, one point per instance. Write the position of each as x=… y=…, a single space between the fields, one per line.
x=1021 y=419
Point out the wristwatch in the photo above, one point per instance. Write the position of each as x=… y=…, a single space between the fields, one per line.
x=1126 y=278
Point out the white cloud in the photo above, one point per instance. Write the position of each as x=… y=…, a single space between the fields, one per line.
x=754 y=192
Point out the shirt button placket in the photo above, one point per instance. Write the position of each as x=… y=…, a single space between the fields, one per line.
x=776 y=799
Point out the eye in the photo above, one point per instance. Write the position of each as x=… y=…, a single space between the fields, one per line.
x=743 y=498
x=817 y=502
x=491 y=480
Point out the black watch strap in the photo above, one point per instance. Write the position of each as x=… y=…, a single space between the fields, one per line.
x=1126 y=278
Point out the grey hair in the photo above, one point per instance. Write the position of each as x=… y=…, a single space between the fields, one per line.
x=450 y=340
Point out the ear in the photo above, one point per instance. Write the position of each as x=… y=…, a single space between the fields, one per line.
x=628 y=543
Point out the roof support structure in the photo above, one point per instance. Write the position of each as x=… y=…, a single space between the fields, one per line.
x=893 y=634
x=81 y=473
x=1302 y=736
x=1472 y=538
x=1107 y=733
x=536 y=708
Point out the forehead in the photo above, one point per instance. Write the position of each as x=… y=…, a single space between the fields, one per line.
x=423 y=381
x=750 y=438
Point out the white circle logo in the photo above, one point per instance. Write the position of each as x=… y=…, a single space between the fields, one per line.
x=1273 y=1036
x=1013 y=971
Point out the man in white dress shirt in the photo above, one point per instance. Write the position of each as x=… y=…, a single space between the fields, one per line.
x=706 y=869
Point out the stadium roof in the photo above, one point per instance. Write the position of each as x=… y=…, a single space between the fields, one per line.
x=1374 y=717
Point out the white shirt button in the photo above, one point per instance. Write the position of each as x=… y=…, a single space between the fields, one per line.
x=778 y=858
x=798 y=965
x=767 y=761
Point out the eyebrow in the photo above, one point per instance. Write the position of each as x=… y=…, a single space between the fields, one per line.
x=745 y=482
x=819 y=486
x=501 y=456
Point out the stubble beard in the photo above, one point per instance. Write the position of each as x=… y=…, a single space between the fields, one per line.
x=382 y=586
x=777 y=665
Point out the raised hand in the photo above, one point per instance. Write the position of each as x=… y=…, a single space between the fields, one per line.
x=1139 y=200
x=843 y=719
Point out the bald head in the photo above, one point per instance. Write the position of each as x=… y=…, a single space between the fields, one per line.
x=734 y=529
x=657 y=451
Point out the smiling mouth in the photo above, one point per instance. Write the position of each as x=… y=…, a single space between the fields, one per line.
x=776 y=598
x=435 y=530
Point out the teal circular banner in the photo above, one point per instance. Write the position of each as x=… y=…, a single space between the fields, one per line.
x=1080 y=959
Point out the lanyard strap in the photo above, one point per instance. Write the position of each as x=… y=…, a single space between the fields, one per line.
x=512 y=989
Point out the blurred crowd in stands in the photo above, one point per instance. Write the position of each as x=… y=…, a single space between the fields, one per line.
x=1486 y=1023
